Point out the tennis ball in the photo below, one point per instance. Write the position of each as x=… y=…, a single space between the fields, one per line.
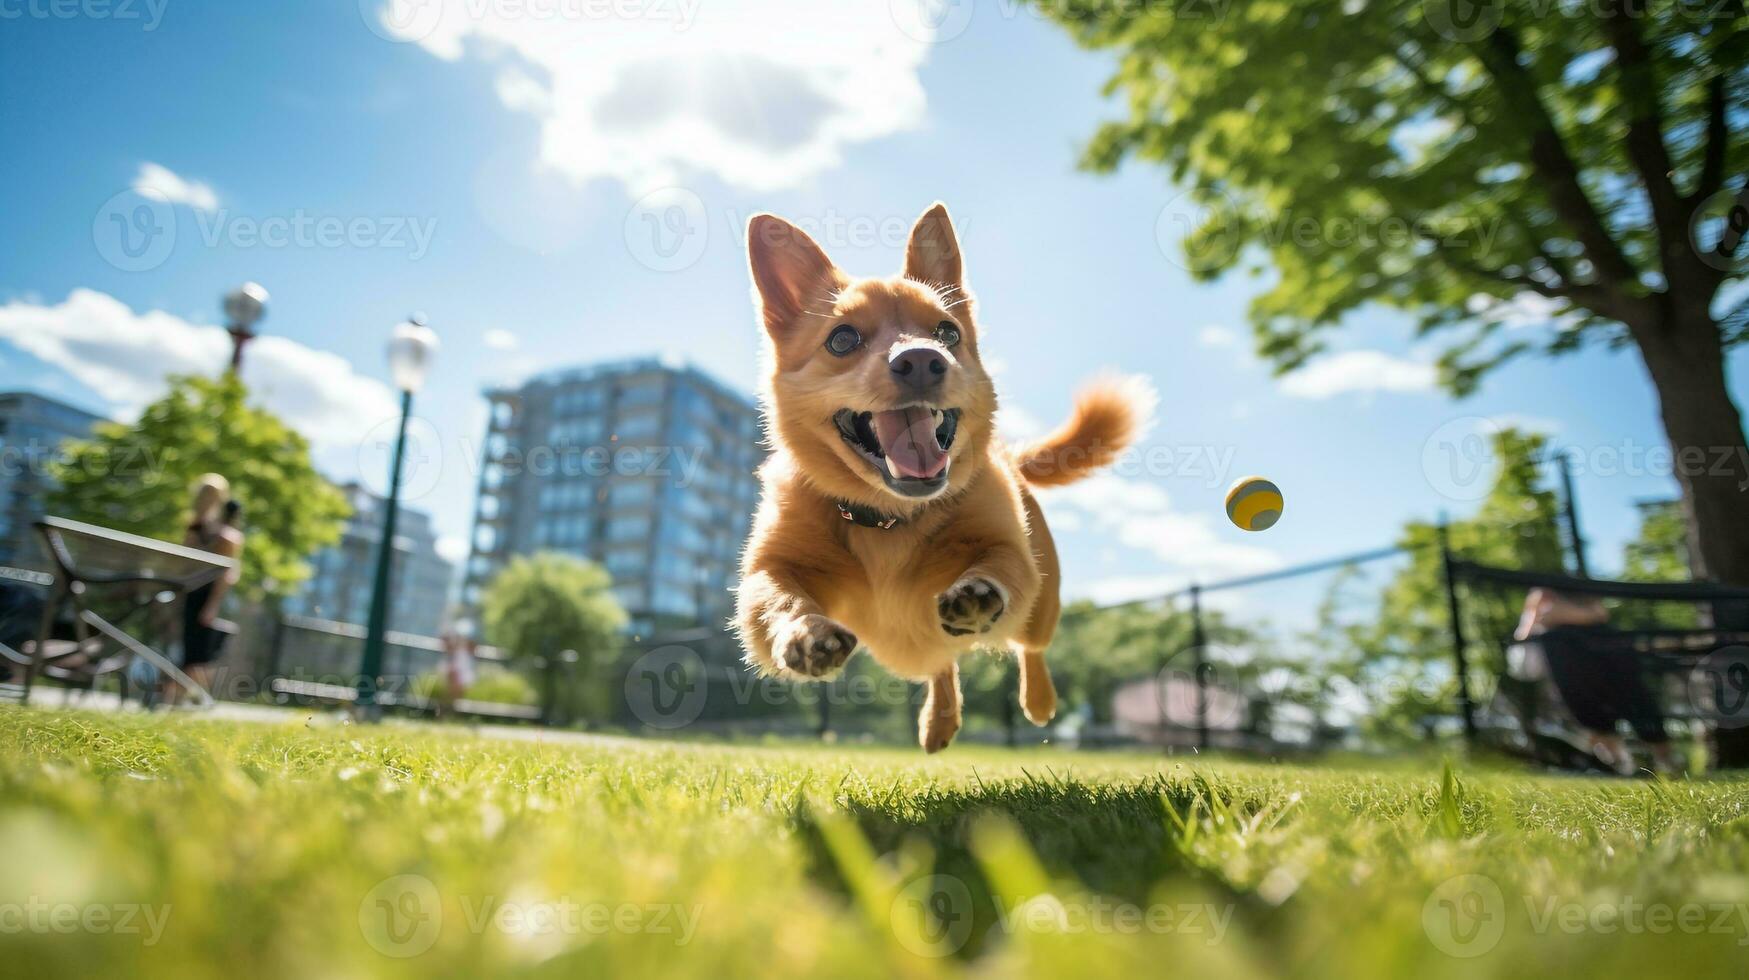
x=1254 y=504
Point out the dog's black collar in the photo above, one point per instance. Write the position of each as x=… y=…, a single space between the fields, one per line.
x=866 y=516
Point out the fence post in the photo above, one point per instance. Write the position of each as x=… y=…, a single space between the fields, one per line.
x=1458 y=648
x=1571 y=509
x=1198 y=643
x=550 y=696
x=275 y=645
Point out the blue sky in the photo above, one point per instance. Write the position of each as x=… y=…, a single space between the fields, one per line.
x=559 y=188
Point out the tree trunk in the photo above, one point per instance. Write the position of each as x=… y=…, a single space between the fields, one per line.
x=1687 y=365
x=1686 y=360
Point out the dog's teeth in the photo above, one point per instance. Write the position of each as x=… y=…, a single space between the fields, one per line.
x=893 y=469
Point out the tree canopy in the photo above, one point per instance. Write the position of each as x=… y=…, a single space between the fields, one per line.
x=138 y=478
x=1516 y=177
x=540 y=606
x=1401 y=643
x=1442 y=157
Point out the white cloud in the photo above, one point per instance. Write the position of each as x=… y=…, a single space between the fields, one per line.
x=1017 y=425
x=1359 y=370
x=1140 y=516
x=124 y=356
x=1215 y=335
x=1524 y=309
x=157 y=181
x=499 y=339
x=650 y=93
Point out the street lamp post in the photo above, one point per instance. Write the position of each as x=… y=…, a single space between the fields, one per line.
x=244 y=308
x=410 y=351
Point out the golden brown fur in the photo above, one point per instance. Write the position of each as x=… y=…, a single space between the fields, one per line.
x=815 y=585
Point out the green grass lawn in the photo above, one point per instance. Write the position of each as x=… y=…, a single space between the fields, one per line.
x=177 y=846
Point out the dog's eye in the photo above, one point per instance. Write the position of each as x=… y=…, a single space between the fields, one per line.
x=947 y=333
x=843 y=340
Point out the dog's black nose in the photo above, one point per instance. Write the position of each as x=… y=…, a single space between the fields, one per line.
x=918 y=367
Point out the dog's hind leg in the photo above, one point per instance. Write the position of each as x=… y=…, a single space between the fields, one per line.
x=939 y=720
x=1038 y=696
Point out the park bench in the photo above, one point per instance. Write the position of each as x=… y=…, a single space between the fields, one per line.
x=1527 y=715
x=107 y=588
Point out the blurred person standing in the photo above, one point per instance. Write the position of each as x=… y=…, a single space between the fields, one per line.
x=458 y=666
x=213 y=527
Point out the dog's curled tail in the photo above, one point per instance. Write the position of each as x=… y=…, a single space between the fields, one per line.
x=1109 y=415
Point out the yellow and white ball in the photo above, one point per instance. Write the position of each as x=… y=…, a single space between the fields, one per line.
x=1254 y=504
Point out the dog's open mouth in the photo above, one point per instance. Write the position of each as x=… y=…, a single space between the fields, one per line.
x=908 y=446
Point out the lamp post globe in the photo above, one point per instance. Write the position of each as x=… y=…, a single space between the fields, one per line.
x=244 y=307
x=412 y=346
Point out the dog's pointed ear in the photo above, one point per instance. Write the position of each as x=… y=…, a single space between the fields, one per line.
x=790 y=272
x=933 y=254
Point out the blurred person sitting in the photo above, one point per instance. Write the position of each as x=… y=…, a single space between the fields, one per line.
x=213 y=527
x=1598 y=679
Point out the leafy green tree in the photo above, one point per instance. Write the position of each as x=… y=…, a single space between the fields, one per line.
x=1401 y=650
x=137 y=478
x=545 y=606
x=1475 y=164
x=1659 y=553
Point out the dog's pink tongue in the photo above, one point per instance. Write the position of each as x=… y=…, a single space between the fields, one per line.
x=907 y=436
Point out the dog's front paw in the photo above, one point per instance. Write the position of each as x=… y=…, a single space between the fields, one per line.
x=815 y=646
x=973 y=605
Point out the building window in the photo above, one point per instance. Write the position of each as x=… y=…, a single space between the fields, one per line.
x=632 y=494
x=628 y=529
x=644 y=425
